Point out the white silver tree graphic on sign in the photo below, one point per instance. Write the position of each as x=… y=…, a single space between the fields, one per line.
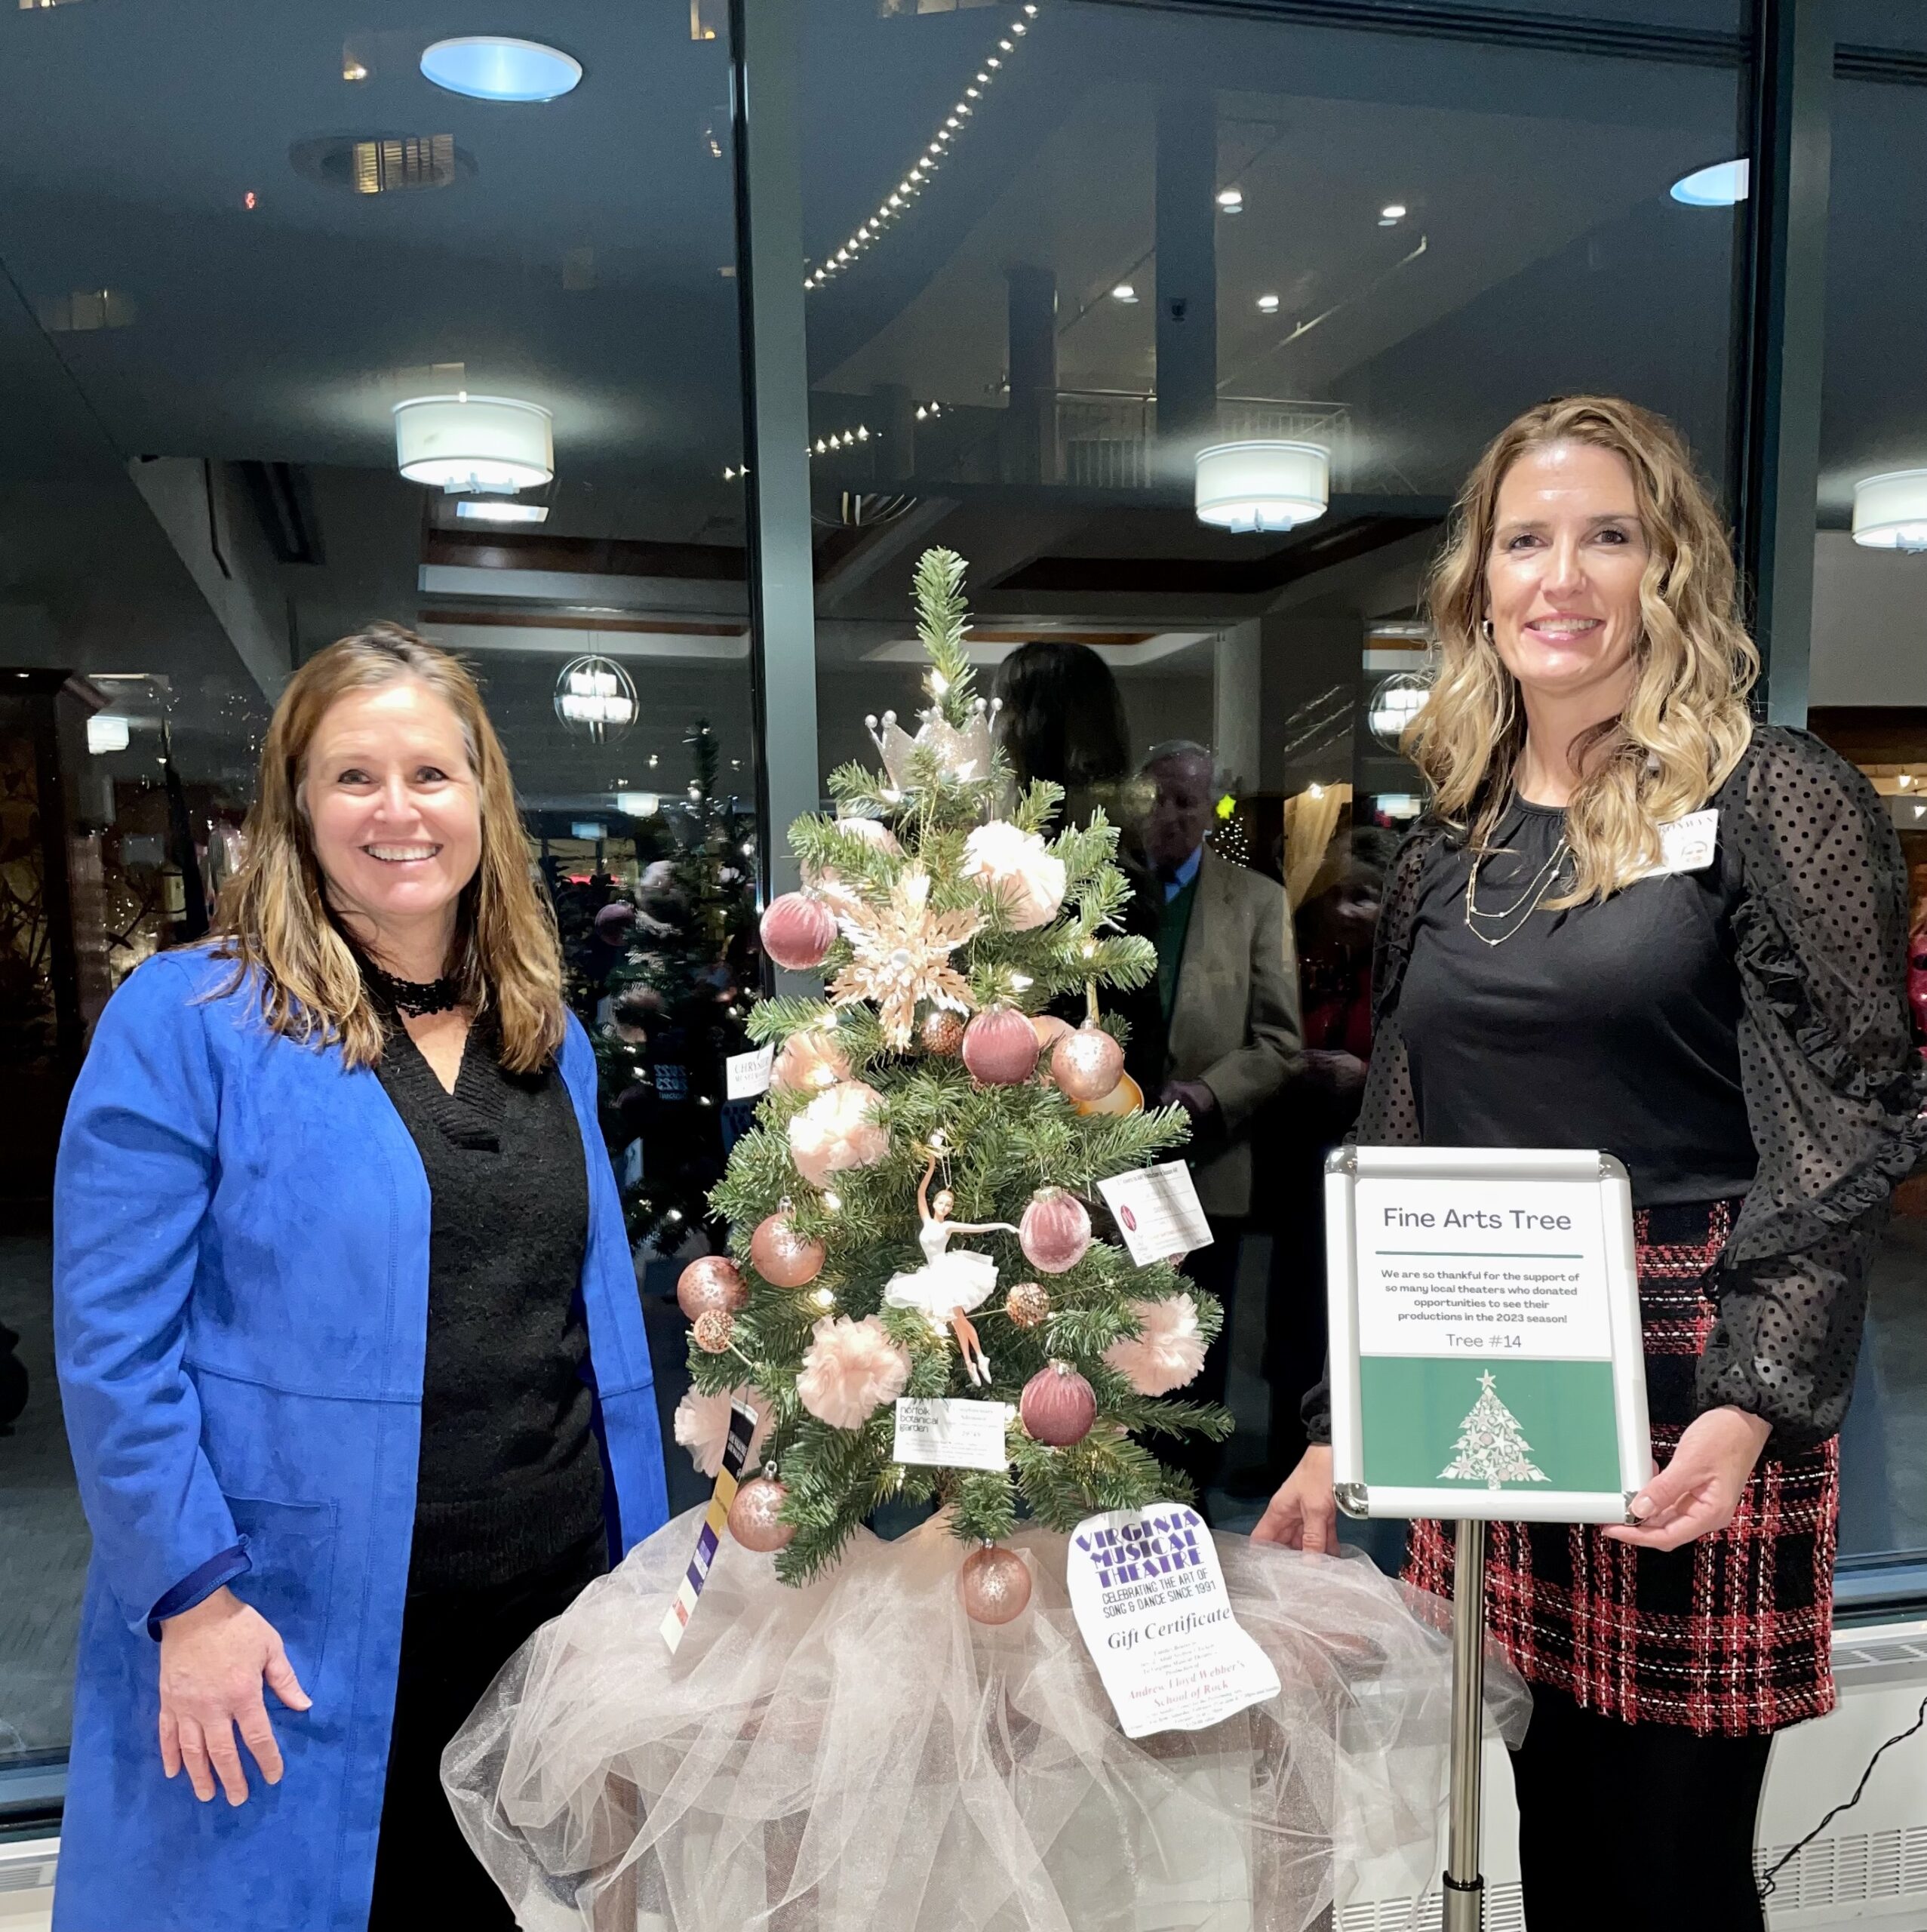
x=1491 y=1447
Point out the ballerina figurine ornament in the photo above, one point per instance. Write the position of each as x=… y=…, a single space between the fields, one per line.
x=950 y=1286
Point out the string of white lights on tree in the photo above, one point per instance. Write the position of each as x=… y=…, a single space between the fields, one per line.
x=916 y=177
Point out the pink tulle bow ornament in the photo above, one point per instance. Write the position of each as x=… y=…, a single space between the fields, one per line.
x=838 y=1129
x=1166 y=1351
x=702 y=1425
x=850 y=1369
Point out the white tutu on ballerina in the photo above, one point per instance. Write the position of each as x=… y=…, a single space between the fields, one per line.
x=859 y=1756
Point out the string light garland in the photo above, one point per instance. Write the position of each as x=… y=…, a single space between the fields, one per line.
x=843 y=439
x=916 y=177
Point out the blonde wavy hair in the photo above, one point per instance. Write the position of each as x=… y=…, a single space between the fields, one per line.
x=274 y=920
x=1685 y=723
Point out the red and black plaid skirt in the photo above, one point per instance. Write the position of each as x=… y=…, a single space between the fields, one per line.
x=1731 y=1634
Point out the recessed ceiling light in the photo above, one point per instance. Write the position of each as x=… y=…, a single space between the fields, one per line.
x=482 y=510
x=1124 y=292
x=489 y=67
x=1719 y=186
x=1230 y=200
x=1268 y=303
x=1393 y=212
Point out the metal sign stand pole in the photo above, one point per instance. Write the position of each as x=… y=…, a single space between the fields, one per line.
x=1465 y=1887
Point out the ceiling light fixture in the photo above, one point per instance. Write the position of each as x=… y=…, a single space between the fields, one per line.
x=1719 y=186
x=493 y=509
x=870 y=232
x=1230 y=200
x=488 y=445
x=1393 y=212
x=1124 y=292
x=596 y=695
x=491 y=67
x=1890 y=511
x=1268 y=304
x=1262 y=485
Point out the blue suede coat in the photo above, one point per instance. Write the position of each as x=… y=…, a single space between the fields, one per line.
x=241 y=1272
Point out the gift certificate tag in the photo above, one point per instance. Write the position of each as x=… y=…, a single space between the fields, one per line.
x=1152 y=1608
x=747 y=1074
x=952 y=1432
x=1156 y=1211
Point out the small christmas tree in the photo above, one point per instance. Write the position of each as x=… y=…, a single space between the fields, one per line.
x=921 y=1104
x=1491 y=1447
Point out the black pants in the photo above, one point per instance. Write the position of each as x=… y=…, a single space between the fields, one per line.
x=1635 y=1828
x=453 y=1643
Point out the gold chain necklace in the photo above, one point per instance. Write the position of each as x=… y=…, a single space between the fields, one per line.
x=1540 y=885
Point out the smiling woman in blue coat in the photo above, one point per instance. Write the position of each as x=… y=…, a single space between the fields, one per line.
x=349 y=1338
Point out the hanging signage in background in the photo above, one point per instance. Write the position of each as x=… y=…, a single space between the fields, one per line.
x=1487 y=1358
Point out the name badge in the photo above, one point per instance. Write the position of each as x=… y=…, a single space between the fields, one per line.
x=1687 y=845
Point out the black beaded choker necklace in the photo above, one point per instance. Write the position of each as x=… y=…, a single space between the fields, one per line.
x=413 y=997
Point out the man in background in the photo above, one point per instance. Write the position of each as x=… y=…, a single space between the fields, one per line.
x=1227 y=981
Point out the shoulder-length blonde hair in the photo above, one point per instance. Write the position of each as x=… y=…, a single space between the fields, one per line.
x=274 y=920
x=1685 y=723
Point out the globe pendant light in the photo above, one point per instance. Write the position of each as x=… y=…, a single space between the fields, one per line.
x=597 y=696
x=490 y=445
x=1890 y=511
x=1262 y=485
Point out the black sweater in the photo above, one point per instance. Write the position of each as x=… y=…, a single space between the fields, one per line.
x=511 y=1473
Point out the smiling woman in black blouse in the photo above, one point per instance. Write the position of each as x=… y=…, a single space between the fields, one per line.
x=1634 y=920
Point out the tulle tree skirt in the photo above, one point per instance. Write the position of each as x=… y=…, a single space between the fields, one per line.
x=858 y=1756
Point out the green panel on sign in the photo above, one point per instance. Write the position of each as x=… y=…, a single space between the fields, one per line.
x=1431 y=1423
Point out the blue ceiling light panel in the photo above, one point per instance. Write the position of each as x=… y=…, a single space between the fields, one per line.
x=489 y=67
x=1719 y=186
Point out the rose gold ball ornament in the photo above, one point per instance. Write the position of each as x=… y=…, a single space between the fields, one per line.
x=756 y=1515
x=1058 y=1405
x=1087 y=1064
x=943 y=1033
x=1054 y=1231
x=1027 y=1304
x=995 y=1584
x=1050 y=1029
x=1000 y=1048
x=712 y=1282
x=798 y=932
x=714 y=1331
x=784 y=1258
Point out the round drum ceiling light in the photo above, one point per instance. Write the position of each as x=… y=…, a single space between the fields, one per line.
x=486 y=444
x=1719 y=186
x=487 y=66
x=1262 y=485
x=1890 y=511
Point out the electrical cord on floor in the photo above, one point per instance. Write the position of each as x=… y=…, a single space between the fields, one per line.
x=1793 y=1851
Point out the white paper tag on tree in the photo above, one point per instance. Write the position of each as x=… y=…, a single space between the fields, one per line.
x=1151 y=1605
x=747 y=1074
x=1156 y=1210
x=952 y=1432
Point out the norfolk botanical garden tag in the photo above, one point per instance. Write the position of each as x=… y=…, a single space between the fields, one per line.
x=1152 y=1608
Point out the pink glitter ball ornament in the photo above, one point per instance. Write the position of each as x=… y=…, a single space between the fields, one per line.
x=798 y=932
x=1057 y=1406
x=1054 y=1231
x=1000 y=1047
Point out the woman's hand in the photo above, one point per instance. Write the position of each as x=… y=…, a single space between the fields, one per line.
x=1696 y=1493
x=1302 y=1515
x=213 y=1660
